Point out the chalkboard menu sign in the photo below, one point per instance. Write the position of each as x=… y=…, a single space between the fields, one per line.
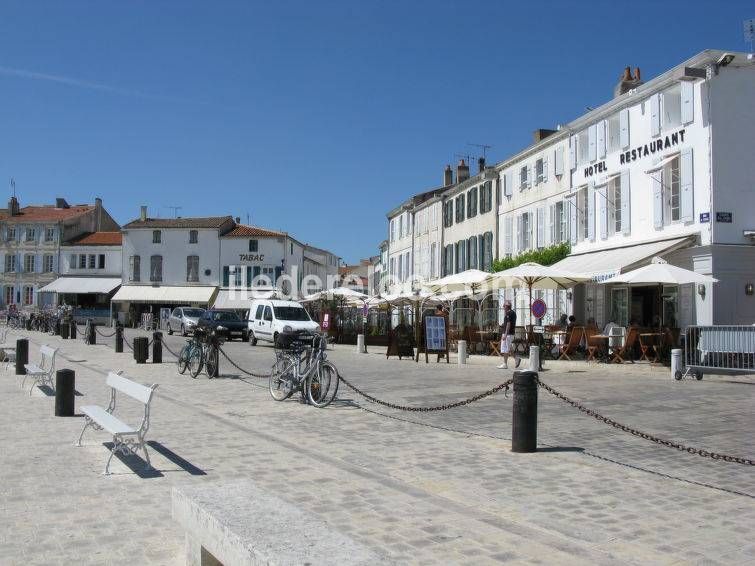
x=435 y=337
x=401 y=342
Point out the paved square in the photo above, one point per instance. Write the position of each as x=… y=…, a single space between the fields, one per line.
x=424 y=488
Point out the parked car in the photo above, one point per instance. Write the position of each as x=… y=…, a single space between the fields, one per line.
x=269 y=317
x=230 y=321
x=184 y=319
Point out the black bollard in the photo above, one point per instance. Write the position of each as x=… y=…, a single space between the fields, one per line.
x=58 y=327
x=118 y=338
x=72 y=326
x=64 y=331
x=157 y=348
x=92 y=333
x=22 y=355
x=65 y=388
x=141 y=349
x=524 y=417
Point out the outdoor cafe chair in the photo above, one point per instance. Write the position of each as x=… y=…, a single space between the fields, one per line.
x=620 y=353
x=571 y=344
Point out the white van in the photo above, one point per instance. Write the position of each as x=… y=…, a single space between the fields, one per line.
x=269 y=317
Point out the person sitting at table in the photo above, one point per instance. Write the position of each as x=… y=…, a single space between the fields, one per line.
x=615 y=338
x=563 y=322
x=572 y=323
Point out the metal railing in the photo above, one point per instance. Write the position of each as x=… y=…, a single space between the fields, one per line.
x=719 y=349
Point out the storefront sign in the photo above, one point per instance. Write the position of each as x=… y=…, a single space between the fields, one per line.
x=251 y=257
x=655 y=146
x=704 y=217
x=725 y=217
x=599 y=167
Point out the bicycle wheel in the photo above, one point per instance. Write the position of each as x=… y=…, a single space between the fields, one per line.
x=281 y=379
x=196 y=361
x=183 y=358
x=322 y=385
x=212 y=364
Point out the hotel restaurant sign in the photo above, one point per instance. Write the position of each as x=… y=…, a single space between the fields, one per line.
x=654 y=147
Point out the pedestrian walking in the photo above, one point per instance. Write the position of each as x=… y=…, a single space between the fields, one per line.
x=507 y=336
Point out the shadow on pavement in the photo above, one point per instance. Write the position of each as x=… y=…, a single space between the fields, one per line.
x=175 y=458
x=561 y=449
x=136 y=464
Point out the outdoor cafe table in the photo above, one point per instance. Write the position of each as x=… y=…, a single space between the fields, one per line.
x=650 y=342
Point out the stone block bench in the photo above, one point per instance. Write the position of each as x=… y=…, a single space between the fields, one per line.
x=238 y=523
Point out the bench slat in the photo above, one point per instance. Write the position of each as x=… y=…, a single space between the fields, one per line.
x=106 y=420
x=130 y=388
x=31 y=368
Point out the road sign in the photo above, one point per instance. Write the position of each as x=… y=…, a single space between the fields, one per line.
x=539 y=308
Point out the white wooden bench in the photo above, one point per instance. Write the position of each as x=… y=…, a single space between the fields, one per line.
x=42 y=374
x=126 y=438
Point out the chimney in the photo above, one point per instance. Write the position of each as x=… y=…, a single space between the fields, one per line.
x=61 y=203
x=143 y=213
x=13 y=206
x=541 y=133
x=481 y=164
x=448 y=176
x=98 y=212
x=462 y=171
x=238 y=220
x=627 y=81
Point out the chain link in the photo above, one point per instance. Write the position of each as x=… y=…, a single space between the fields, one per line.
x=644 y=435
x=104 y=335
x=242 y=370
x=171 y=352
x=505 y=386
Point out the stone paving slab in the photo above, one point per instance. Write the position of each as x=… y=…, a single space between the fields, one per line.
x=422 y=488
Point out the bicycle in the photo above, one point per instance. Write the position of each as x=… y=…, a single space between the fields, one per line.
x=202 y=351
x=302 y=366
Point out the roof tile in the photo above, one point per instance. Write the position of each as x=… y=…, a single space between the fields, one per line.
x=191 y=222
x=97 y=239
x=243 y=231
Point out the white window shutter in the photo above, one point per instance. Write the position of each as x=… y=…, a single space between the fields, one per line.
x=508 y=235
x=573 y=152
x=545 y=168
x=54 y=263
x=624 y=128
x=655 y=114
x=657 y=199
x=38 y=263
x=591 y=212
x=592 y=135
x=686 y=185
x=541 y=227
x=529 y=176
x=519 y=240
x=688 y=99
x=552 y=223
x=571 y=205
x=626 y=221
x=507 y=180
x=601 y=139
x=2 y=264
x=601 y=196
x=558 y=161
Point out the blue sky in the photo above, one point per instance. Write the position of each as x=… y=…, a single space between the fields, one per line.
x=312 y=117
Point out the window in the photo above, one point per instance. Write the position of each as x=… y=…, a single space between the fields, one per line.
x=393 y=229
x=472 y=202
x=583 y=147
x=49 y=234
x=525 y=231
x=101 y=261
x=461 y=256
x=30 y=234
x=614 y=133
x=583 y=213
x=10 y=263
x=672 y=107
x=401 y=226
x=614 y=206
x=433 y=261
x=448 y=213
x=92 y=261
x=47 y=263
x=29 y=263
x=291 y=250
x=134 y=268
x=523 y=179
x=460 y=209
x=472 y=253
x=448 y=260
x=28 y=295
x=82 y=261
x=400 y=274
x=193 y=236
x=156 y=268
x=9 y=296
x=539 y=171
x=486 y=197
x=253 y=245
x=157 y=236
x=487 y=251
x=671 y=180
x=11 y=233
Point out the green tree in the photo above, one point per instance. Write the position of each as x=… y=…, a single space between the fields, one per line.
x=545 y=256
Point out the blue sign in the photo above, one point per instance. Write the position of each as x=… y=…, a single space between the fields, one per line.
x=724 y=217
x=704 y=217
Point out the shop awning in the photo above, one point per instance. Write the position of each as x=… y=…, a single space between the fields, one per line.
x=602 y=265
x=164 y=294
x=82 y=285
x=238 y=299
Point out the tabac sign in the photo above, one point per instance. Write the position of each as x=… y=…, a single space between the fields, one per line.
x=251 y=258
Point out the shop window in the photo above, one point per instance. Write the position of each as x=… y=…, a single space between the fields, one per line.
x=156 y=268
x=672 y=107
x=253 y=245
x=157 y=237
x=134 y=268
x=193 y=236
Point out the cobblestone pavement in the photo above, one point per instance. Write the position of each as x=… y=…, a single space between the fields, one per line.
x=424 y=488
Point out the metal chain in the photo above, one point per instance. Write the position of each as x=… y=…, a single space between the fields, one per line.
x=127 y=343
x=242 y=370
x=104 y=335
x=644 y=435
x=505 y=386
x=165 y=345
